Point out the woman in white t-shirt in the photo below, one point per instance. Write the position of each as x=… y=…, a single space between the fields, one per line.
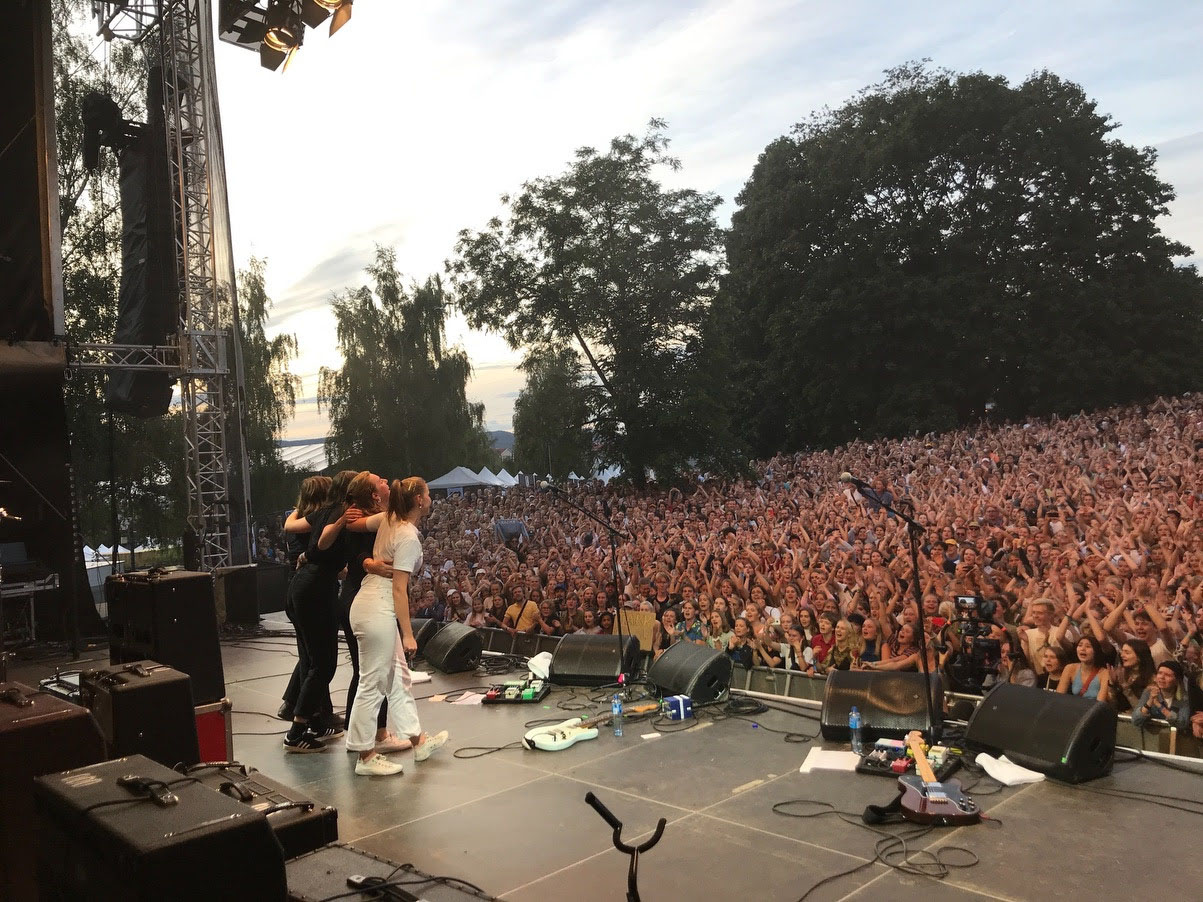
x=380 y=605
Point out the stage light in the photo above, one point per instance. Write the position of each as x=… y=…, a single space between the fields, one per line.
x=285 y=28
x=342 y=14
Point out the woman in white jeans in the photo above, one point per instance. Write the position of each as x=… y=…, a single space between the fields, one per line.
x=378 y=608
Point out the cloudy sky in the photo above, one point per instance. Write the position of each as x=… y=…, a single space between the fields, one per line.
x=407 y=125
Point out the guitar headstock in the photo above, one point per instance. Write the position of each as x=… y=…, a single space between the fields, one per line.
x=914 y=742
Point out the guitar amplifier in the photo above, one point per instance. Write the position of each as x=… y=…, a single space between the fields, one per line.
x=170 y=617
x=326 y=874
x=144 y=708
x=102 y=841
x=300 y=824
x=39 y=734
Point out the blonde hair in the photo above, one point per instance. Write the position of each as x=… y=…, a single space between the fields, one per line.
x=404 y=494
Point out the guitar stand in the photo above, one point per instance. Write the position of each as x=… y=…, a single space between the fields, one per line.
x=633 y=851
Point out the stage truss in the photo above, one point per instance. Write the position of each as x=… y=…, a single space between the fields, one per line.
x=209 y=391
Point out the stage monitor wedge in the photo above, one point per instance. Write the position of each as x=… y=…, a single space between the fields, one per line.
x=890 y=704
x=1070 y=739
x=701 y=672
x=589 y=660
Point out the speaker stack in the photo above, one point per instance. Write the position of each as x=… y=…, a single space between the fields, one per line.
x=890 y=704
x=698 y=671
x=453 y=649
x=581 y=660
x=1068 y=738
x=169 y=617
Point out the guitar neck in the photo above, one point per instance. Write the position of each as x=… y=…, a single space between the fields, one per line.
x=606 y=716
x=922 y=767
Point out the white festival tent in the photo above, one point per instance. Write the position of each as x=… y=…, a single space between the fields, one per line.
x=488 y=478
x=506 y=478
x=459 y=478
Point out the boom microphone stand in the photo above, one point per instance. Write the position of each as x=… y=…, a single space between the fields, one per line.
x=913 y=530
x=614 y=534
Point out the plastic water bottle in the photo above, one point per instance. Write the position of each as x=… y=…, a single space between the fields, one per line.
x=616 y=712
x=854 y=728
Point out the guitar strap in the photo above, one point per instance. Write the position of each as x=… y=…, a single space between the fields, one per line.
x=884 y=814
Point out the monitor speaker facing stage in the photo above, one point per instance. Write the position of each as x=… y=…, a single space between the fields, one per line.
x=593 y=660
x=890 y=704
x=701 y=672
x=424 y=629
x=453 y=649
x=1068 y=738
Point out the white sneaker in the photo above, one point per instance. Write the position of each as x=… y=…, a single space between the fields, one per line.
x=377 y=766
x=392 y=744
x=419 y=676
x=430 y=745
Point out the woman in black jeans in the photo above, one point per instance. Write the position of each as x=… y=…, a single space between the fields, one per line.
x=313 y=593
x=315 y=491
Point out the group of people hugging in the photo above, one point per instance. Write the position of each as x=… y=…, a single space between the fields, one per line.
x=1078 y=540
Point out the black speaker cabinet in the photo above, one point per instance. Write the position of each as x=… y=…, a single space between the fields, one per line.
x=424 y=629
x=1068 y=738
x=236 y=594
x=169 y=617
x=890 y=704
x=701 y=672
x=102 y=841
x=454 y=648
x=588 y=660
x=300 y=824
x=39 y=734
x=143 y=708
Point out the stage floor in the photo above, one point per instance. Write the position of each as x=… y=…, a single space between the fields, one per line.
x=516 y=824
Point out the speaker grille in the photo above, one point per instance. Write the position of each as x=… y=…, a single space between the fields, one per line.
x=702 y=673
x=455 y=648
x=592 y=660
x=1066 y=737
x=890 y=704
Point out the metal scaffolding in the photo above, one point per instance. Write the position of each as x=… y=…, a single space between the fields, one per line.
x=209 y=391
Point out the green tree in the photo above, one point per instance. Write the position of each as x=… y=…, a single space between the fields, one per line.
x=270 y=393
x=398 y=405
x=552 y=430
x=942 y=242
x=606 y=258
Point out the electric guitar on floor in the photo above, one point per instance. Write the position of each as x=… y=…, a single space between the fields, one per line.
x=559 y=736
x=925 y=800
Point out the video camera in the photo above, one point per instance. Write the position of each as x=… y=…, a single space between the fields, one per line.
x=980 y=655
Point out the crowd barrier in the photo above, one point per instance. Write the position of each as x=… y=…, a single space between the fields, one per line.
x=1157 y=736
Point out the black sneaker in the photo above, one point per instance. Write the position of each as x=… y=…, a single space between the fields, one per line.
x=306 y=742
x=285 y=712
x=333 y=731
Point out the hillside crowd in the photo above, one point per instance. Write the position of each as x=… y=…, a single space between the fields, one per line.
x=1080 y=541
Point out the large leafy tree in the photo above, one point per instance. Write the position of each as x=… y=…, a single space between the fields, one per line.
x=270 y=393
x=398 y=405
x=607 y=259
x=552 y=432
x=943 y=243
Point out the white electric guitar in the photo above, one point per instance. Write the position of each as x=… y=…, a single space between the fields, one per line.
x=559 y=736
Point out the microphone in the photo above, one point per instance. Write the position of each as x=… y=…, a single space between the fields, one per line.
x=545 y=486
x=859 y=483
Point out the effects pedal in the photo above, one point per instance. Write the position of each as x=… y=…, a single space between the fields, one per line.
x=518 y=692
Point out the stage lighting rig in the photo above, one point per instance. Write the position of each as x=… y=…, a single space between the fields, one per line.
x=277 y=30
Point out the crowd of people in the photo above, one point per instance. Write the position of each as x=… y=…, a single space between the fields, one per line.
x=1074 y=546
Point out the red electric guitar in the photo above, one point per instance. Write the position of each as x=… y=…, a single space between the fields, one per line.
x=925 y=800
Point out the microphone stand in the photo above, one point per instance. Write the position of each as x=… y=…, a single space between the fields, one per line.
x=914 y=529
x=613 y=534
